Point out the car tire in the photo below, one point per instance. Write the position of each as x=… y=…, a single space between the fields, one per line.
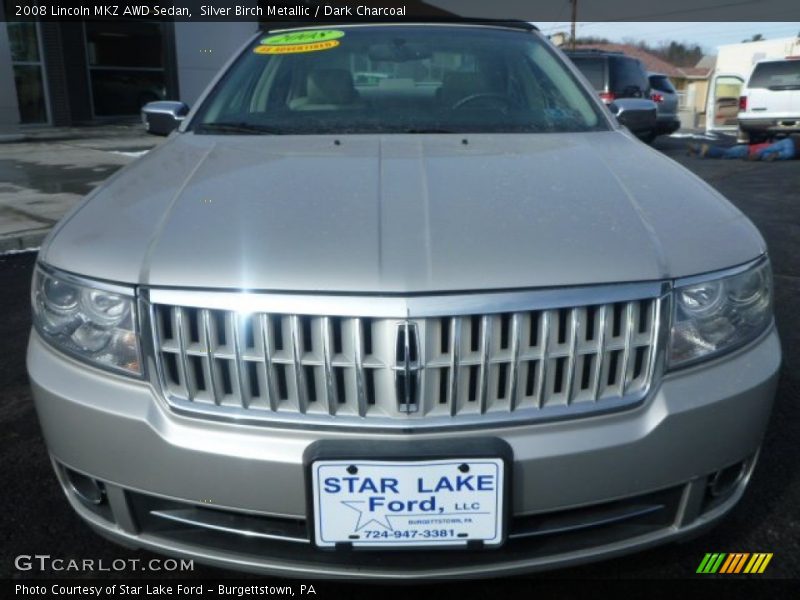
x=742 y=137
x=649 y=137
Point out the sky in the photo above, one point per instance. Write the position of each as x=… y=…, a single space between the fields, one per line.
x=707 y=35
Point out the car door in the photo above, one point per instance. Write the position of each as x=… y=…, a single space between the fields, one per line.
x=722 y=103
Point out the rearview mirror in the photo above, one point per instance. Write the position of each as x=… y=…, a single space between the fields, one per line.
x=164 y=116
x=637 y=114
x=399 y=52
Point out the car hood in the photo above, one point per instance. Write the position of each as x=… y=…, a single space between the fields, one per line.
x=401 y=214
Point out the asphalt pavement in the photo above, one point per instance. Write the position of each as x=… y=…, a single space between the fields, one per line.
x=35 y=517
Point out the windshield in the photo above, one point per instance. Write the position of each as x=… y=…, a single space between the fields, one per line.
x=398 y=79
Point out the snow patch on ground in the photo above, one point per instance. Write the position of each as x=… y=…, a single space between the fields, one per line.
x=23 y=251
x=136 y=154
x=696 y=136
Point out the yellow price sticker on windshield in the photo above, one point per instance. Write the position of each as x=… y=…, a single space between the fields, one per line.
x=294 y=38
x=296 y=48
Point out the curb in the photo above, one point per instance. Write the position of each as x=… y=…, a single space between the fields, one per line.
x=23 y=240
x=61 y=134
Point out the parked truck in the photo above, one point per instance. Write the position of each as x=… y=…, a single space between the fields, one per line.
x=734 y=64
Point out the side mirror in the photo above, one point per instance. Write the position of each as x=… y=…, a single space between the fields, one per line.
x=637 y=114
x=164 y=116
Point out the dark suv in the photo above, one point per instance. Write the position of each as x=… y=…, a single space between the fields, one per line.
x=613 y=74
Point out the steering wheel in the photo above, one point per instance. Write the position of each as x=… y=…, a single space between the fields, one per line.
x=481 y=96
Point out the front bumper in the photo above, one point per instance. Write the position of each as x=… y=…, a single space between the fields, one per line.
x=581 y=487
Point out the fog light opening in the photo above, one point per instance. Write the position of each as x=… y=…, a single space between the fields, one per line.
x=723 y=482
x=89 y=490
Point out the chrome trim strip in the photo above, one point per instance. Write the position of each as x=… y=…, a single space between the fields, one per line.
x=170 y=516
x=268 y=368
x=408 y=307
x=182 y=357
x=571 y=358
x=455 y=349
x=660 y=342
x=607 y=521
x=601 y=342
x=152 y=351
x=545 y=342
x=655 y=310
x=330 y=389
x=241 y=370
x=209 y=358
x=626 y=351
x=297 y=365
x=486 y=341
x=516 y=334
x=412 y=424
x=358 y=357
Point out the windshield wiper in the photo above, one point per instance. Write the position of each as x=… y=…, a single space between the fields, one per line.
x=233 y=128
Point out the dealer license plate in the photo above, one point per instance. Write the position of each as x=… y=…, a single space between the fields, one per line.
x=402 y=504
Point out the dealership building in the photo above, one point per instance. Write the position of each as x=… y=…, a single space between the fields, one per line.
x=75 y=72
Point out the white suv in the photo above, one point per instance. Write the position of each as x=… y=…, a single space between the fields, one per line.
x=770 y=103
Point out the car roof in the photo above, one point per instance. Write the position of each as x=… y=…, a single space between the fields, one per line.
x=596 y=52
x=779 y=60
x=506 y=24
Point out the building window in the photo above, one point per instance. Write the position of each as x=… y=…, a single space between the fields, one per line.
x=26 y=62
x=126 y=65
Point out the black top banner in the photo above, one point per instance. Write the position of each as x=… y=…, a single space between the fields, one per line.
x=398 y=10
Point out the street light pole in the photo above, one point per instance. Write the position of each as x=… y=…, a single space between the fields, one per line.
x=574 y=18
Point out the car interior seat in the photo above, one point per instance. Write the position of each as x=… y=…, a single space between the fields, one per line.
x=328 y=89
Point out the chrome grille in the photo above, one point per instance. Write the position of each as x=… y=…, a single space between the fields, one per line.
x=406 y=372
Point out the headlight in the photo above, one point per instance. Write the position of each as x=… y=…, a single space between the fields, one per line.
x=88 y=320
x=715 y=316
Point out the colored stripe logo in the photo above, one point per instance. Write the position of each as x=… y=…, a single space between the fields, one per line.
x=734 y=563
